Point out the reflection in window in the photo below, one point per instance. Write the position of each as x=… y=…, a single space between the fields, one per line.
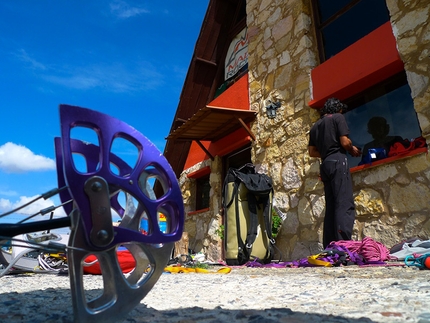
x=341 y=23
x=202 y=192
x=390 y=101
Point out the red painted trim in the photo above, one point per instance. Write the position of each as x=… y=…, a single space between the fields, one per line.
x=389 y=159
x=198 y=211
x=230 y=144
x=236 y=97
x=222 y=147
x=365 y=63
x=200 y=173
x=196 y=154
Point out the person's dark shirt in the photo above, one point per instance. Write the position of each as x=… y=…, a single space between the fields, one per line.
x=325 y=134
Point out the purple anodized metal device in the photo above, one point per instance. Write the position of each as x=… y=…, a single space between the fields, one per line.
x=96 y=192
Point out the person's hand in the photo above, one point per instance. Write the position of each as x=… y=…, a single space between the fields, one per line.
x=355 y=152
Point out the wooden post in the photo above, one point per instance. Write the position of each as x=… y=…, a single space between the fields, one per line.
x=181 y=246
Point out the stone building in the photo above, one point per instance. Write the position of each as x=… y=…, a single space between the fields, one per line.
x=261 y=70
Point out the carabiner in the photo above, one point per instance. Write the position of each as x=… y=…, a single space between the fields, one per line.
x=419 y=261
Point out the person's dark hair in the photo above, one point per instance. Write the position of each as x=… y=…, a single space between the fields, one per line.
x=333 y=105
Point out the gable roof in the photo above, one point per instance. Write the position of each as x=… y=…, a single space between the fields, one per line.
x=205 y=70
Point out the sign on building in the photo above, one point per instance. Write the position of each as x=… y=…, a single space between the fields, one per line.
x=237 y=54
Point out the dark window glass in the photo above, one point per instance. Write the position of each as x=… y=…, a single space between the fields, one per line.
x=328 y=8
x=342 y=23
x=390 y=107
x=202 y=192
x=237 y=159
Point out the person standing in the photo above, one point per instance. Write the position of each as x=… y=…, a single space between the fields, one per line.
x=328 y=140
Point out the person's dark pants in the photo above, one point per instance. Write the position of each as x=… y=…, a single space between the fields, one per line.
x=340 y=210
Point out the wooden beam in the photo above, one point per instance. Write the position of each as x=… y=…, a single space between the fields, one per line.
x=204 y=149
x=246 y=128
x=206 y=61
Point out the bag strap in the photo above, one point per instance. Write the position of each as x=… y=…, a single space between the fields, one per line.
x=254 y=204
x=243 y=254
x=253 y=218
x=242 y=257
x=267 y=218
x=268 y=223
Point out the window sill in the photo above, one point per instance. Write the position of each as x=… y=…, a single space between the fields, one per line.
x=198 y=211
x=389 y=159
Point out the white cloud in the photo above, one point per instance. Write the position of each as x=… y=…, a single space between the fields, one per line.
x=18 y=159
x=80 y=82
x=25 y=57
x=139 y=76
x=123 y=10
x=8 y=192
x=7 y=205
x=133 y=77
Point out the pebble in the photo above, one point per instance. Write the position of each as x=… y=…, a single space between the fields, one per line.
x=349 y=294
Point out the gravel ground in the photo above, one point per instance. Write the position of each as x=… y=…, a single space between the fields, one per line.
x=341 y=294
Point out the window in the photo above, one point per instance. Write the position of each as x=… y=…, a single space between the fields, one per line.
x=202 y=192
x=385 y=110
x=237 y=159
x=341 y=23
x=382 y=116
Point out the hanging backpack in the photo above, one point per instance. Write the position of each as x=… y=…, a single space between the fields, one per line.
x=247 y=204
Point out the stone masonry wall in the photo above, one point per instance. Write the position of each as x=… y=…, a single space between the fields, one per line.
x=392 y=200
x=411 y=28
x=202 y=226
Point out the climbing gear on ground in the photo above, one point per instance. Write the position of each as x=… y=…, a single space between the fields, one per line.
x=410 y=247
x=368 y=248
x=181 y=270
x=420 y=261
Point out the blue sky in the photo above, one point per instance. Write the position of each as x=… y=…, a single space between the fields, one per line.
x=127 y=59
